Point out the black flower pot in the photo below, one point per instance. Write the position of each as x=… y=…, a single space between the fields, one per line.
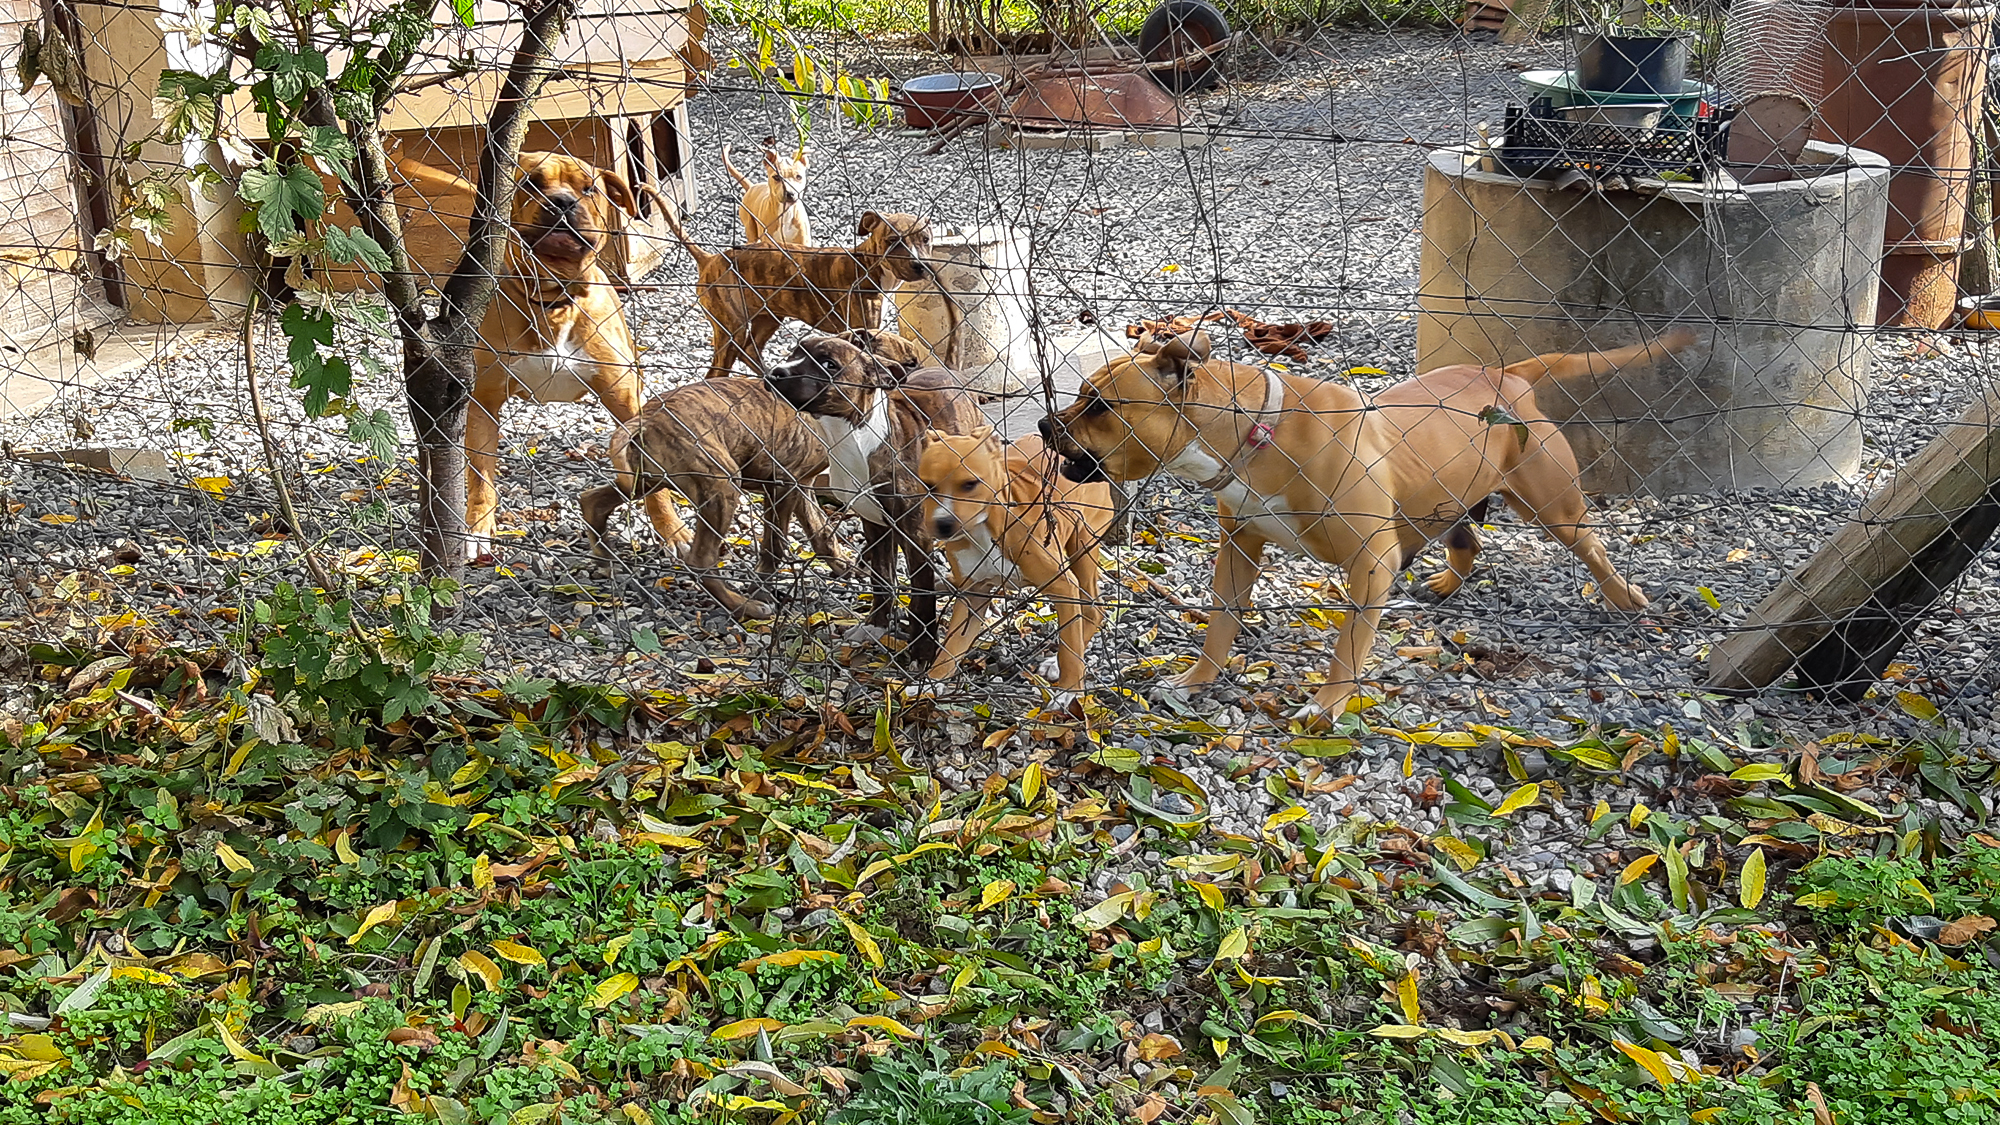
x=1632 y=63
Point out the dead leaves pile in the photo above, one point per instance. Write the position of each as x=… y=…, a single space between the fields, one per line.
x=424 y=862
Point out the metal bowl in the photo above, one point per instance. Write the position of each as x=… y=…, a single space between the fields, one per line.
x=938 y=99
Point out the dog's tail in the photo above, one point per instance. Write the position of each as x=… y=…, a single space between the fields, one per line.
x=742 y=180
x=672 y=215
x=1565 y=365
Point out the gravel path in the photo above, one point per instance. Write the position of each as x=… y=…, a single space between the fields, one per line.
x=1305 y=209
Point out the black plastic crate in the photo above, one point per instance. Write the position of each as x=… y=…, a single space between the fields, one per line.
x=1535 y=140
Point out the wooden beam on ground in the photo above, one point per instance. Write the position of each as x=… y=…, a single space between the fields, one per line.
x=1841 y=617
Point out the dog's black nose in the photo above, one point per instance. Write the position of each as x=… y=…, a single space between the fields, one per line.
x=1047 y=428
x=946 y=526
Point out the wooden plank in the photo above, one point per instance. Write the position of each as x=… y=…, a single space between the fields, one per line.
x=581 y=93
x=1902 y=541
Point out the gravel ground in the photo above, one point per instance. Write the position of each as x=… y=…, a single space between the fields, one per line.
x=1277 y=217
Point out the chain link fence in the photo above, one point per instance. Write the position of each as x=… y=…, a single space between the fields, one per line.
x=1351 y=203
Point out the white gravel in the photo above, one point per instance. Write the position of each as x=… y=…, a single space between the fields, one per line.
x=1277 y=218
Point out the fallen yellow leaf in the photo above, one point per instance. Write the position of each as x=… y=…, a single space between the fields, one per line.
x=612 y=988
x=481 y=966
x=376 y=917
x=1519 y=799
x=519 y=954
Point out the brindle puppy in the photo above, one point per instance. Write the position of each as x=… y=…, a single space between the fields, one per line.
x=711 y=442
x=749 y=291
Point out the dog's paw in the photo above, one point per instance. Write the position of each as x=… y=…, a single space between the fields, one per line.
x=1049 y=668
x=1626 y=596
x=923 y=689
x=863 y=635
x=753 y=610
x=479 y=549
x=1444 y=583
x=1062 y=702
x=1195 y=677
x=1312 y=715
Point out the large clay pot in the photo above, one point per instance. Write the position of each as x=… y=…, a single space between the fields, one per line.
x=1907 y=79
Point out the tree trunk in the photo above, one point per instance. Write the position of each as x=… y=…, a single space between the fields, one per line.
x=438 y=359
x=440 y=395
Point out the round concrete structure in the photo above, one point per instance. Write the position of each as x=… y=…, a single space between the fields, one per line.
x=1776 y=279
x=986 y=271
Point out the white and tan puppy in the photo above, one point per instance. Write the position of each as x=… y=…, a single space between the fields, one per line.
x=774 y=212
x=1321 y=470
x=556 y=330
x=1008 y=520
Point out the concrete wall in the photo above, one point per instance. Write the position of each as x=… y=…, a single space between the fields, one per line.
x=1774 y=277
x=38 y=227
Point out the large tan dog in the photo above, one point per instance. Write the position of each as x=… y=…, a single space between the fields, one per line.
x=556 y=329
x=1008 y=520
x=749 y=291
x=774 y=212
x=1320 y=470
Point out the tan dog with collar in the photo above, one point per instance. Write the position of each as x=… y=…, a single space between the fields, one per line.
x=556 y=329
x=1007 y=519
x=1320 y=470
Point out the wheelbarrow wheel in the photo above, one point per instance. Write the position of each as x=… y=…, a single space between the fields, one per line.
x=1178 y=28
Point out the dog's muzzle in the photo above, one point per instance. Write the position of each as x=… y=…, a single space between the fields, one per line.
x=945 y=526
x=1083 y=468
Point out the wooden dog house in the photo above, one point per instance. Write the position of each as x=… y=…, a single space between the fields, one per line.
x=617 y=101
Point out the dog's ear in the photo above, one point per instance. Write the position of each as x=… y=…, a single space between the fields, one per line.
x=871 y=221
x=619 y=191
x=985 y=435
x=771 y=160
x=931 y=436
x=1176 y=356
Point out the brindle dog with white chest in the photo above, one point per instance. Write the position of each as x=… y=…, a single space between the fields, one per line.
x=872 y=412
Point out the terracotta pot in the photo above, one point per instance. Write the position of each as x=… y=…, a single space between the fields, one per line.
x=1907 y=79
x=1924 y=286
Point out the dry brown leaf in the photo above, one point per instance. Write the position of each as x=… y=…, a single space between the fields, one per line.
x=516 y=870
x=1965 y=929
x=400 y=1098
x=1821 y=1114
x=1155 y=1046
x=422 y=1038
x=1146 y=1111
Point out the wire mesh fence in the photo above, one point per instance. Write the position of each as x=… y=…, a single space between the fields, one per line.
x=1337 y=214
